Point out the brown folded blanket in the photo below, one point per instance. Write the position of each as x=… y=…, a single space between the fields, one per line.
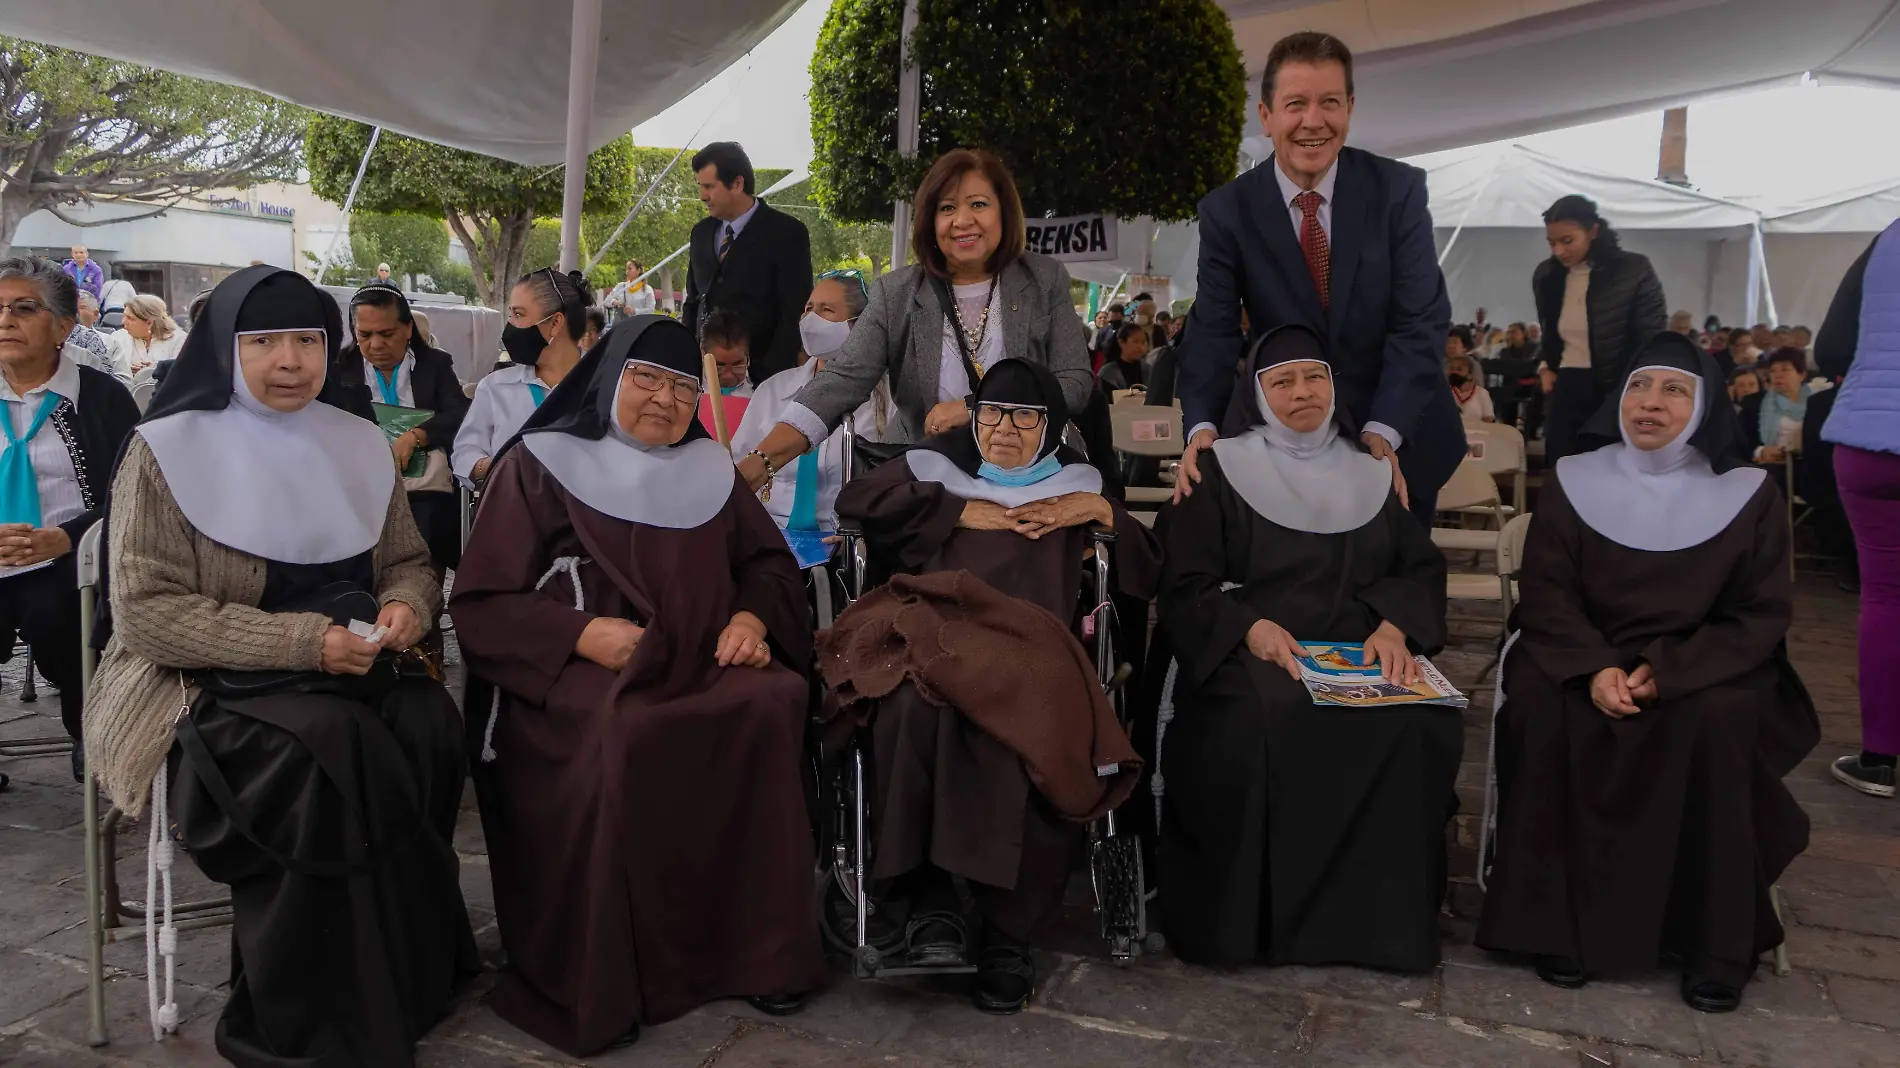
x=1009 y=666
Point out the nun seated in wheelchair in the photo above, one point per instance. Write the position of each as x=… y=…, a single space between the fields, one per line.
x=318 y=772
x=1650 y=711
x=1292 y=833
x=994 y=742
x=646 y=631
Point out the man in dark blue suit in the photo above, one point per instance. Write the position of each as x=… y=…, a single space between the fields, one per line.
x=1339 y=240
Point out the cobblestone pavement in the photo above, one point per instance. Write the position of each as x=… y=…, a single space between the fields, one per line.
x=1839 y=1008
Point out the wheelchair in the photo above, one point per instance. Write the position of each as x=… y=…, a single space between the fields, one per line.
x=846 y=780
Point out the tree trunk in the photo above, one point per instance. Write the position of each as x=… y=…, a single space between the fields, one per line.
x=496 y=246
x=15 y=205
x=666 y=281
x=877 y=264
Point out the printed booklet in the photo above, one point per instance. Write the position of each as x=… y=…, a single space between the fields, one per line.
x=1334 y=675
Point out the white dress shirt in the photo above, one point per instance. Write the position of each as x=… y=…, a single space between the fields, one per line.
x=768 y=409
x=126 y=351
x=404 y=382
x=737 y=226
x=503 y=402
x=1289 y=190
x=60 y=499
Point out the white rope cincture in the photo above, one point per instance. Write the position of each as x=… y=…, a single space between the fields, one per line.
x=571 y=565
x=160 y=940
x=1491 y=760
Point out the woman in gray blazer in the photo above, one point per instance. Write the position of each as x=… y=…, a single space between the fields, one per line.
x=974 y=297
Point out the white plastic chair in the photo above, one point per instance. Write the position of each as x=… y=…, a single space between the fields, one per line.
x=104 y=905
x=142 y=394
x=1147 y=430
x=1499 y=450
x=1470 y=491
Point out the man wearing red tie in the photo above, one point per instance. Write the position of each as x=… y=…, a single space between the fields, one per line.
x=1339 y=240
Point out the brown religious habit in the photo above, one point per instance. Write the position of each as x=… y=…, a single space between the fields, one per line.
x=647 y=831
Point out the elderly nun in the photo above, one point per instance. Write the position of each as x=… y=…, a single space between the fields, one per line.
x=644 y=630
x=1650 y=710
x=268 y=583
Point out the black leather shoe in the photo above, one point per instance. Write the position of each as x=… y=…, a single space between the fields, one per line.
x=778 y=1004
x=937 y=940
x=1707 y=995
x=1562 y=972
x=1005 y=975
x=628 y=1039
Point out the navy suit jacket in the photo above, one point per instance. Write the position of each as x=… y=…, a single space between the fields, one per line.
x=1385 y=325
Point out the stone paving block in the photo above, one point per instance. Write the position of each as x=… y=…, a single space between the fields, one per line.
x=1180 y=1006
x=1803 y=993
x=1867 y=1001
x=1352 y=1037
x=1046 y=1038
x=1849 y=811
x=204 y=954
x=681 y=1043
x=1844 y=953
x=1839 y=877
x=31 y=982
x=31 y=1052
x=1637 y=1010
x=1389 y=989
x=478 y=891
x=767 y=1048
x=858 y=1010
x=1641 y=1059
x=36 y=857
x=129 y=1025
x=1877 y=849
x=1769 y=1042
x=1861 y=915
x=29 y=913
x=41 y=807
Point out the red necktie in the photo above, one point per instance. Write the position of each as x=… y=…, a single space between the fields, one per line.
x=1319 y=254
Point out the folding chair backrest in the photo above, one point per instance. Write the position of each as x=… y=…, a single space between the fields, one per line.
x=1498 y=448
x=1146 y=430
x=142 y=395
x=1471 y=486
x=1511 y=545
x=1130 y=396
x=88 y=558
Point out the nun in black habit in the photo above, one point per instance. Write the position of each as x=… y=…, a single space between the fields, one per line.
x=317 y=773
x=637 y=610
x=1649 y=709
x=1293 y=833
x=1005 y=502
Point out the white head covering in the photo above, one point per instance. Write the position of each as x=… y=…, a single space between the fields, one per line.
x=305 y=487
x=1314 y=481
x=581 y=443
x=1665 y=499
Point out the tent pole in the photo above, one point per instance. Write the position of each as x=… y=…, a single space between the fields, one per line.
x=583 y=62
x=1758 y=250
x=1497 y=164
x=1755 y=274
x=349 y=202
x=909 y=92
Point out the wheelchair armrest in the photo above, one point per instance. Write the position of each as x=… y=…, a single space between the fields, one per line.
x=1101 y=535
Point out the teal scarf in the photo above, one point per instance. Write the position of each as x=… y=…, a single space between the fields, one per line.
x=538 y=391
x=19 y=484
x=387 y=383
x=805 y=497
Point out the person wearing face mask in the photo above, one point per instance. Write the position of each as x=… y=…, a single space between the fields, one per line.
x=646 y=630
x=391 y=356
x=1467 y=388
x=974 y=296
x=992 y=777
x=1649 y=709
x=803 y=494
x=1297 y=534
x=257 y=531
x=547 y=319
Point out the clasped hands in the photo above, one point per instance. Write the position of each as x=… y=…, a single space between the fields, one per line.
x=1385 y=647
x=346 y=654
x=1037 y=518
x=22 y=545
x=610 y=642
x=1618 y=694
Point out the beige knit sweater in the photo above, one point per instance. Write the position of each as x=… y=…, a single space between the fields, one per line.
x=182 y=602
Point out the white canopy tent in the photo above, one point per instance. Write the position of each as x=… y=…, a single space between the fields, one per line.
x=1810 y=245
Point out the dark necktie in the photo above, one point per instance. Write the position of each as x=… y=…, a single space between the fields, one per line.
x=1319 y=254
x=726 y=244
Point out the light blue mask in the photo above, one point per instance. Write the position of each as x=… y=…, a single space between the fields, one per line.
x=1019 y=476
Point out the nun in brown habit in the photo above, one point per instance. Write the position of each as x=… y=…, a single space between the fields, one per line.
x=1006 y=504
x=1649 y=709
x=1292 y=833
x=645 y=627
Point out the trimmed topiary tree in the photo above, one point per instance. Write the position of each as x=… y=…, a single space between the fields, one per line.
x=1133 y=107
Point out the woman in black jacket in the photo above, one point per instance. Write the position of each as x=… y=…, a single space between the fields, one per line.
x=1598 y=304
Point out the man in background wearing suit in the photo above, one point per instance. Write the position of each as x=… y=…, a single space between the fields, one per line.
x=1338 y=240
x=748 y=257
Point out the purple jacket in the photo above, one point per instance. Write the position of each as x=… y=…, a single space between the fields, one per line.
x=89 y=278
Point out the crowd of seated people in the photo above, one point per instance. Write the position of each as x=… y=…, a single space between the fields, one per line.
x=647 y=686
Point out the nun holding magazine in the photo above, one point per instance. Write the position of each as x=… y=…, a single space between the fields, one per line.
x=1292 y=832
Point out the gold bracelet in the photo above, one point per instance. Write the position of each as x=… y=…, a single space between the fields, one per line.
x=771 y=472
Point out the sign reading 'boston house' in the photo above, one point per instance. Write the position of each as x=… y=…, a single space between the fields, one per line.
x=1074 y=238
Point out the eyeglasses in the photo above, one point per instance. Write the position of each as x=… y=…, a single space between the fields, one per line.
x=23 y=308
x=1020 y=418
x=853 y=274
x=685 y=390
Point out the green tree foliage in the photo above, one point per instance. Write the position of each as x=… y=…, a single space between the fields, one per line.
x=78 y=128
x=837 y=245
x=1127 y=106
x=410 y=244
x=490 y=204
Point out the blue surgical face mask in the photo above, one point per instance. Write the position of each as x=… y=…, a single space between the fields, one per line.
x=1027 y=475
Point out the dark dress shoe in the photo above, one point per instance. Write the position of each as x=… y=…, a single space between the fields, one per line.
x=1707 y=995
x=1562 y=972
x=937 y=940
x=778 y=1004
x=628 y=1039
x=1005 y=975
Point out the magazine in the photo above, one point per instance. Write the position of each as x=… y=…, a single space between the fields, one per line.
x=808 y=546
x=1335 y=675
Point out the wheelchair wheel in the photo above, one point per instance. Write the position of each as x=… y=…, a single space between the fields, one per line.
x=1115 y=870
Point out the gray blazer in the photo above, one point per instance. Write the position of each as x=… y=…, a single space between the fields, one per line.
x=1039 y=325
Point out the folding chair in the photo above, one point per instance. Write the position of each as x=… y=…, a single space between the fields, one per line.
x=1499 y=450
x=1147 y=430
x=48 y=745
x=105 y=907
x=142 y=394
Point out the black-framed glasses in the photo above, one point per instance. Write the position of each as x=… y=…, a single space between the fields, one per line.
x=24 y=308
x=1020 y=418
x=685 y=390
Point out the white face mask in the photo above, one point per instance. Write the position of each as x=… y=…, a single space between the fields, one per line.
x=820 y=335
